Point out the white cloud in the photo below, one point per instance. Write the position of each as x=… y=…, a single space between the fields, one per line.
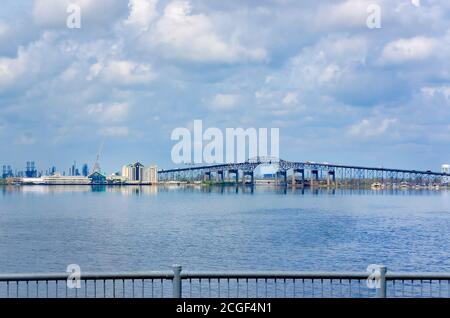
x=114 y=131
x=121 y=72
x=330 y=73
x=11 y=69
x=344 y=48
x=416 y=3
x=408 y=50
x=327 y=61
x=33 y=63
x=70 y=74
x=371 y=127
x=290 y=98
x=432 y=91
x=108 y=113
x=142 y=13
x=182 y=34
x=224 y=102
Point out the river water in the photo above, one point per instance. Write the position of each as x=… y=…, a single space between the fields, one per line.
x=45 y=228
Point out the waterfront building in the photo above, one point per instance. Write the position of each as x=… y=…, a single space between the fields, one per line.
x=116 y=179
x=58 y=179
x=32 y=181
x=446 y=169
x=133 y=172
x=138 y=173
x=150 y=175
x=97 y=178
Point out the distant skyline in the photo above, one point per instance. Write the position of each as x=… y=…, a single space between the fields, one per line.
x=338 y=91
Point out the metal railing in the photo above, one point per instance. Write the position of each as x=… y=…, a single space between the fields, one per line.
x=184 y=284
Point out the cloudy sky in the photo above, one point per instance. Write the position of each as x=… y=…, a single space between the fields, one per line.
x=339 y=91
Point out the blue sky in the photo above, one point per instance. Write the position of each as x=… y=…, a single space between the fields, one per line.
x=337 y=90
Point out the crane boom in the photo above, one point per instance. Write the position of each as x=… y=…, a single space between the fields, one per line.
x=96 y=167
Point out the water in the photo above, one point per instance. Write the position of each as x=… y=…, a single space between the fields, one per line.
x=43 y=229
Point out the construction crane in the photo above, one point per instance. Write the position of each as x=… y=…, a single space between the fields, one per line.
x=96 y=166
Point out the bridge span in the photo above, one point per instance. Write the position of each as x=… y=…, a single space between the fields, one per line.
x=302 y=173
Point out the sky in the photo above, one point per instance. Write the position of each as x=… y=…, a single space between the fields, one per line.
x=339 y=91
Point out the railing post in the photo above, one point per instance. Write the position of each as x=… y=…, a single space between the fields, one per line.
x=176 y=283
x=381 y=292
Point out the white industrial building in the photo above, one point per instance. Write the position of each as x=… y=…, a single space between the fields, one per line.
x=138 y=173
x=57 y=179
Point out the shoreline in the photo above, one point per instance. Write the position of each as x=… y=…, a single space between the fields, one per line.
x=240 y=184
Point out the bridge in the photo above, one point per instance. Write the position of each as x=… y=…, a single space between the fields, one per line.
x=301 y=173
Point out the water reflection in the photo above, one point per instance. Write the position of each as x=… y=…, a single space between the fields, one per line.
x=220 y=189
x=42 y=189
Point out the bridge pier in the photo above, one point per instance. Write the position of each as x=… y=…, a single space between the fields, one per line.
x=248 y=173
x=221 y=176
x=331 y=174
x=294 y=181
x=207 y=176
x=314 y=176
x=236 y=172
x=284 y=174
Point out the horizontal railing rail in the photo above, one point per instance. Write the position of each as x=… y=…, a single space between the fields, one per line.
x=417 y=276
x=86 y=276
x=276 y=275
x=188 y=284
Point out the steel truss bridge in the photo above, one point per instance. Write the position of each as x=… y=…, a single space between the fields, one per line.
x=301 y=173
